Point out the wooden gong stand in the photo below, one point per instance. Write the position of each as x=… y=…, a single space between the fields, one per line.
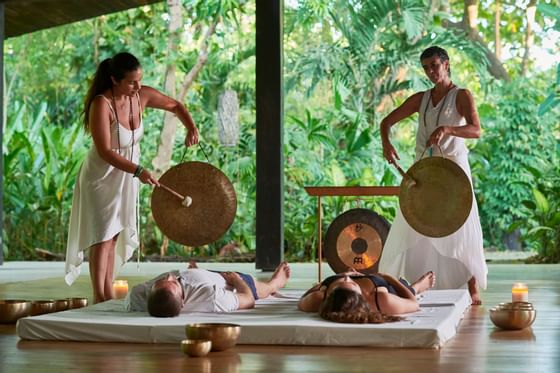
x=333 y=191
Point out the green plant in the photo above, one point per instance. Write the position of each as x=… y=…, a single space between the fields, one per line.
x=542 y=228
x=513 y=141
x=40 y=164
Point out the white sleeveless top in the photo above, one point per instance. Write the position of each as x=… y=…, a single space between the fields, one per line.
x=451 y=146
x=105 y=201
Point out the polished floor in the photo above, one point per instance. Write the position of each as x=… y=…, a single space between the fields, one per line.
x=477 y=347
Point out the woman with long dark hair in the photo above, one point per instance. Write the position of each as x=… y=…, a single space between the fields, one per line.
x=104 y=217
x=354 y=297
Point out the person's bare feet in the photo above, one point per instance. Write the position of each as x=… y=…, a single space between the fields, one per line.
x=476 y=300
x=280 y=276
x=427 y=281
x=192 y=264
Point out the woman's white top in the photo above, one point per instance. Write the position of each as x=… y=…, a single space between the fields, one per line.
x=451 y=146
x=105 y=202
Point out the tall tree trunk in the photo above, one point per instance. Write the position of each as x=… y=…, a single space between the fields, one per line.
x=469 y=25
x=529 y=36
x=497 y=20
x=163 y=157
x=167 y=138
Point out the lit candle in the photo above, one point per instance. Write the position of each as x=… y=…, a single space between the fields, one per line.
x=120 y=288
x=519 y=292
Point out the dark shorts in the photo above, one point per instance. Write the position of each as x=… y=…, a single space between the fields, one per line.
x=249 y=280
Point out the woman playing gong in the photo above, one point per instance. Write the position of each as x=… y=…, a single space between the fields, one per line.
x=104 y=207
x=447 y=116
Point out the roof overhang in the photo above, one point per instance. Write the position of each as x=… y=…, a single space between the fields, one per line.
x=25 y=16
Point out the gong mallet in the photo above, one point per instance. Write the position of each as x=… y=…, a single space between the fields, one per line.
x=186 y=201
x=411 y=182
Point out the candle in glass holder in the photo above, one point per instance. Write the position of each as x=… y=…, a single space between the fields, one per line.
x=120 y=288
x=519 y=292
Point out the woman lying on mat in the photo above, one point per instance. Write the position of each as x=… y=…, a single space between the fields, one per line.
x=200 y=290
x=354 y=297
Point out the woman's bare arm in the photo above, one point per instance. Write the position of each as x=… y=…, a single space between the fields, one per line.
x=406 y=109
x=392 y=304
x=312 y=299
x=151 y=97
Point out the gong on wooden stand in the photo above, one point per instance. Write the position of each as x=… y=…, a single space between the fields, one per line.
x=355 y=240
x=334 y=191
x=195 y=205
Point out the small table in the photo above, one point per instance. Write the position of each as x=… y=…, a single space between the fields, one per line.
x=335 y=191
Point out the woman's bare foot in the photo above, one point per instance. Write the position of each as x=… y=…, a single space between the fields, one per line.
x=192 y=264
x=476 y=300
x=280 y=276
x=425 y=282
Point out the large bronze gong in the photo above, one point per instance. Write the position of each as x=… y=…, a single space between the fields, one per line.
x=355 y=239
x=435 y=196
x=211 y=207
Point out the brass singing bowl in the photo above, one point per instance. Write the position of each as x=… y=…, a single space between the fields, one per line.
x=516 y=305
x=196 y=347
x=77 y=302
x=12 y=310
x=61 y=305
x=512 y=318
x=223 y=336
x=40 y=307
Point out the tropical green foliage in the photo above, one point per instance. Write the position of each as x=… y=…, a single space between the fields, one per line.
x=347 y=64
x=507 y=149
x=543 y=208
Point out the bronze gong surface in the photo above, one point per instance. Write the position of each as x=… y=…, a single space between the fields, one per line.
x=440 y=201
x=213 y=207
x=355 y=239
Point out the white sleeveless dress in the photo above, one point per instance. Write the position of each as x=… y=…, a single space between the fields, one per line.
x=105 y=202
x=454 y=258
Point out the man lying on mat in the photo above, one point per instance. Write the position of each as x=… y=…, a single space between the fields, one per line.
x=200 y=290
x=353 y=297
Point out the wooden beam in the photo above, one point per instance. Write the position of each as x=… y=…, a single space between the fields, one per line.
x=353 y=190
x=25 y=16
x=270 y=159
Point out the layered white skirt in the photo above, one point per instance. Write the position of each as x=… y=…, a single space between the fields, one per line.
x=454 y=258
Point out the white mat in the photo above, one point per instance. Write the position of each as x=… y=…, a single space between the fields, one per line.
x=273 y=321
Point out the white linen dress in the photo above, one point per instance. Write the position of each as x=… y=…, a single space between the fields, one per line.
x=105 y=202
x=454 y=258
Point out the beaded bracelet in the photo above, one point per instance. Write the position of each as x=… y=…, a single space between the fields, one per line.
x=138 y=171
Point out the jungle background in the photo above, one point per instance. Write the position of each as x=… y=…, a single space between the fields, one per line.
x=346 y=65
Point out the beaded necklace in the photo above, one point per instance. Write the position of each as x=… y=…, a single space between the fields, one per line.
x=441 y=107
x=130 y=123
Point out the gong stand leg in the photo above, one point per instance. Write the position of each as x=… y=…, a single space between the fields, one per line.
x=319 y=241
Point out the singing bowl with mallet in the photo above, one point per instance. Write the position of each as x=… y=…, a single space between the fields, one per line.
x=436 y=196
x=222 y=335
x=11 y=310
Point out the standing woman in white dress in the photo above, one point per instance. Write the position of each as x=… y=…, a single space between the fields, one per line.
x=104 y=212
x=447 y=116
